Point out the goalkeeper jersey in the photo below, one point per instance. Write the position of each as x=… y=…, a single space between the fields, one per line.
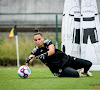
x=55 y=61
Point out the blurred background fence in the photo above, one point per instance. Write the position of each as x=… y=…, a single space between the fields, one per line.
x=40 y=20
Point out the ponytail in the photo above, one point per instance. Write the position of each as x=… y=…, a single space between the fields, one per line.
x=36 y=32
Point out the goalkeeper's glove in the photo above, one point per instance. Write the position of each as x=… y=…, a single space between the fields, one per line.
x=42 y=56
x=28 y=59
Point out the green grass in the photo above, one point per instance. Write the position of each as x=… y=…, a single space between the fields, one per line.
x=42 y=78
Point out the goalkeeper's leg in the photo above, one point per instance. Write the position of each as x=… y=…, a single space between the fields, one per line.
x=69 y=72
x=81 y=63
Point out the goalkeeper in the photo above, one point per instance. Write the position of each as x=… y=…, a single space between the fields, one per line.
x=59 y=63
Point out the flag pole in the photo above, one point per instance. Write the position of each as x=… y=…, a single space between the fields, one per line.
x=17 y=50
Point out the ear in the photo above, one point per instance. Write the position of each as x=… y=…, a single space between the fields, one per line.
x=43 y=38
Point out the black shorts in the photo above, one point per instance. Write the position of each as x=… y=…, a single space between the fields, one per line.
x=92 y=32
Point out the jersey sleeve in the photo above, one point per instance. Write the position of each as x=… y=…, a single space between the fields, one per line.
x=48 y=42
x=34 y=51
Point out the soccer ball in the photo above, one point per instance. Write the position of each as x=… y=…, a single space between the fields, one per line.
x=24 y=71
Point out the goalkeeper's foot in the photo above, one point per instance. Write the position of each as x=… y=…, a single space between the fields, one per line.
x=87 y=74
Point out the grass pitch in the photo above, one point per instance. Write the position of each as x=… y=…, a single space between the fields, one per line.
x=42 y=78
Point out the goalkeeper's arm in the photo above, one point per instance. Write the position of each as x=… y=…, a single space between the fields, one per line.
x=30 y=59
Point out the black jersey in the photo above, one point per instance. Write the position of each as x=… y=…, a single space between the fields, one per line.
x=55 y=61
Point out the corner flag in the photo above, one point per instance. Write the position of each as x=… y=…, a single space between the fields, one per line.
x=13 y=32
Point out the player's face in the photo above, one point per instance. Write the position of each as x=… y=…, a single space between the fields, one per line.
x=39 y=40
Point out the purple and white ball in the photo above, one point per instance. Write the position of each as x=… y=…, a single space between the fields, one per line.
x=24 y=71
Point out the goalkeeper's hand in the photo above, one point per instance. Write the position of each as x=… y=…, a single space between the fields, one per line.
x=42 y=56
x=28 y=59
